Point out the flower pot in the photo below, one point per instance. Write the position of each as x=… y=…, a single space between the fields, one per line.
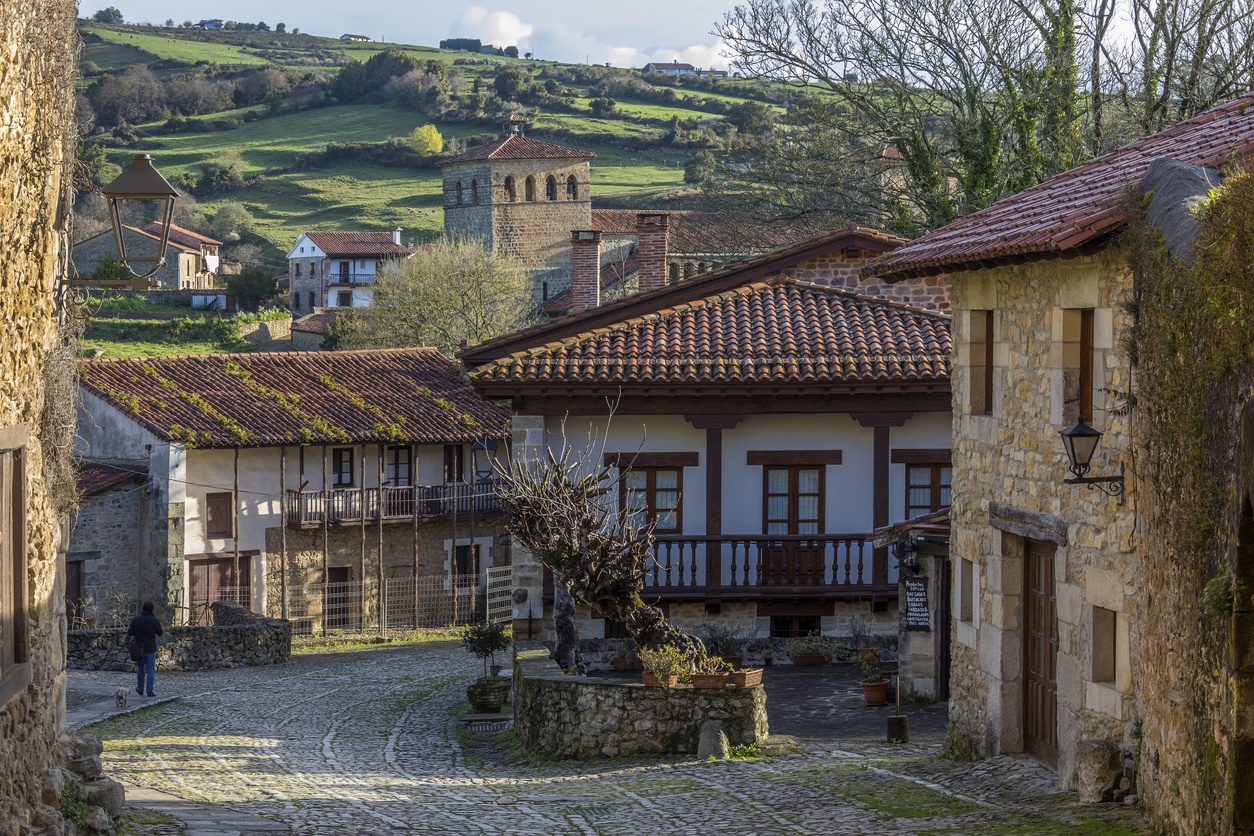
x=619 y=664
x=659 y=681
x=488 y=694
x=876 y=692
x=709 y=681
x=732 y=660
x=869 y=654
x=809 y=659
x=747 y=678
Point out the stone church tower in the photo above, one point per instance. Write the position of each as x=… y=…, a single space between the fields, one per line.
x=522 y=198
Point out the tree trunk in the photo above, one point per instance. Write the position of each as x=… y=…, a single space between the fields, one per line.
x=566 y=653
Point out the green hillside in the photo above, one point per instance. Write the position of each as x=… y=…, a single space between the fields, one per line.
x=315 y=151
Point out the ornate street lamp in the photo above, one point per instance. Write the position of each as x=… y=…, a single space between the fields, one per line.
x=140 y=183
x=483 y=452
x=1080 y=441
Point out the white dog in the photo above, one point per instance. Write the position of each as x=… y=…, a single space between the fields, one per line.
x=120 y=696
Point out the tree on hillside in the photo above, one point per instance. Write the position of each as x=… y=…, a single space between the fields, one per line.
x=222 y=174
x=448 y=292
x=279 y=28
x=230 y=221
x=426 y=140
x=512 y=84
x=250 y=288
x=109 y=14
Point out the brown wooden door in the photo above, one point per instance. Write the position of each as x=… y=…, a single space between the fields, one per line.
x=212 y=579
x=1040 y=657
x=337 y=598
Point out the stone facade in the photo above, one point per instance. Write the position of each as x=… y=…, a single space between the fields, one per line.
x=841 y=269
x=1008 y=492
x=38 y=60
x=184 y=270
x=238 y=638
x=581 y=717
x=264 y=333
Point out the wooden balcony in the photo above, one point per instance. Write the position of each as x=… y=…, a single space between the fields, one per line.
x=426 y=503
x=754 y=567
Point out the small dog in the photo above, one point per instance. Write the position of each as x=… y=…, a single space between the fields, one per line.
x=120 y=696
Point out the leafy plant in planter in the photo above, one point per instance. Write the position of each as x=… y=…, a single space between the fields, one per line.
x=809 y=650
x=747 y=677
x=711 y=673
x=725 y=642
x=488 y=693
x=874 y=683
x=623 y=657
x=665 y=666
x=860 y=638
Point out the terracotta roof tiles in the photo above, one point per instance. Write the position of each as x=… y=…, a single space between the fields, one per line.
x=408 y=395
x=357 y=243
x=97 y=477
x=517 y=147
x=1075 y=207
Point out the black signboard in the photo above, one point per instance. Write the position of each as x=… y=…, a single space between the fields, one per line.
x=917 y=616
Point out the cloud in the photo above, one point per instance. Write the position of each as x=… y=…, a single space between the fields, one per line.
x=497 y=28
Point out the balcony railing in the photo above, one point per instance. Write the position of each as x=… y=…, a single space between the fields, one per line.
x=348 y=506
x=757 y=566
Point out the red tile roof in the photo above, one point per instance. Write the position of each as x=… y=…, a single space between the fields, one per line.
x=357 y=243
x=774 y=332
x=96 y=477
x=517 y=147
x=257 y=400
x=1077 y=206
x=316 y=323
x=184 y=237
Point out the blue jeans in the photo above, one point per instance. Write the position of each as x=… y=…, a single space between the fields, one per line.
x=145 y=667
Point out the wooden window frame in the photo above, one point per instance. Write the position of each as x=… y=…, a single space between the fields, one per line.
x=650 y=493
x=338 y=455
x=392 y=463
x=212 y=527
x=794 y=496
x=982 y=359
x=15 y=667
x=457 y=452
x=935 y=485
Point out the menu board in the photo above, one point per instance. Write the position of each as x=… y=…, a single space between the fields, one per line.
x=917 y=616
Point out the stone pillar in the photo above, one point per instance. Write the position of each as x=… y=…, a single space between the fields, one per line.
x=652 y=230
x=585 y=263
x=528 y=448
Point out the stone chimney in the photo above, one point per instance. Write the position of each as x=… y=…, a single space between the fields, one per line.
x=396 y=236
x=652 y=229
x=585 y=269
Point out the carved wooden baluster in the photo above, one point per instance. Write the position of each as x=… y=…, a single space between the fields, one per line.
x=861 y=560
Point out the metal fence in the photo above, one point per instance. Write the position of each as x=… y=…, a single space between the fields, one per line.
x=499 y=596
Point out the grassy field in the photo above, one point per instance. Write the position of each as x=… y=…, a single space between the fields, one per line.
x=178 y=48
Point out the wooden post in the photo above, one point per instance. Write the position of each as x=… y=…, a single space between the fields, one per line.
x=326 y=516
x=413 y=486
x=361 y=556
x=382 y=506
x=283 y=530
x=235 y=525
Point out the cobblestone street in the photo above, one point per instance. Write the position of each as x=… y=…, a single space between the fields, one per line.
x=365 y=743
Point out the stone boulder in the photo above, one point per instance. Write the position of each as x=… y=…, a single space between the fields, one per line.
x=713 y=742
x=1099 y=768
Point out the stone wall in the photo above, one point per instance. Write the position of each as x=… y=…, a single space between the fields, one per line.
x=107 y=537
x=585 y=717
x=38 y=66
x=1008 y=471
x=260 y=333
x=237 y=639
x=837 y=270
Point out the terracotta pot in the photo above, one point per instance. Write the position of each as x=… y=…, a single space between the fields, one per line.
x=809 y=659
x=733 y=660
x=709 y=681
x=488 y=694
x=747 y=678
x=875 y=693
x=659 y=682
x=869 y=654
x=619 y=664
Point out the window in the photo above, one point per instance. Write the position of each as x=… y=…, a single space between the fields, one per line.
x=1104 y=645
x=510 y=193
x=965 y=587
x=459 y=192
x=572 y=188
x=344 y=268
x=981 y=362
x=454 y=463
x=344 y=299
x=927 y=488
x=342 y=467
x=653 y=494
x=311 y=300
x=219 y=516
x=793 y=499
x=399 y=473
x=467 y=560
x=297 y=270
x=794 y=626
x=1077 y=376
x=531 y=190
x=674 y=270
x=75 y=592
x=15 y=672
x=474 y=192
x=550 y=187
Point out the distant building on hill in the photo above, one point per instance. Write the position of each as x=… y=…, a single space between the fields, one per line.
x=347 y=37
x=339 y=269
x=672 y=68
x=192 y=260
x=210 y=24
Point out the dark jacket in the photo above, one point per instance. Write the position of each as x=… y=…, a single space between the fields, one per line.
x=144 y=629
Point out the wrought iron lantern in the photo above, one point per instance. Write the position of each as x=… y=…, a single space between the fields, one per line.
x=141 y=184
x=908 y=557
x=483 y=452
x=1080 y=442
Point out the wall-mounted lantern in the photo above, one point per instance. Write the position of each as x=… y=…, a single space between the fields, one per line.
x=483 y=453
x=1080 y=441
x=141 y=184
x=908 y=557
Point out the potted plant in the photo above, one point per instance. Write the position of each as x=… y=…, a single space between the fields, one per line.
x=768 y=655
x=810 y=650
x=710 y=674
x=664 y=666
x=874 y=683
x=725 y=642
x=860 y=638
x=484 y=641
x=622 y=657
x=747 y=677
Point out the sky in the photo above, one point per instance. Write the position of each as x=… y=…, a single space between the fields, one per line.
x=624 y=33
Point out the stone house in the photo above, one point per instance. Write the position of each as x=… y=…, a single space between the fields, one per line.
x=1063 y=630
x=38 y=60
x=764 y=424
x=310 y=330
x=192 y=260
x=339 y=269
x=283 y=480
x=103 y=580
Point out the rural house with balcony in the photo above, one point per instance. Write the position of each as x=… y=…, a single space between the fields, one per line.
x=765 y=425
x=339 y=269
x=328 y=487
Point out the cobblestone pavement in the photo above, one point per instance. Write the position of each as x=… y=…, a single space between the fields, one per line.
x=365 y=743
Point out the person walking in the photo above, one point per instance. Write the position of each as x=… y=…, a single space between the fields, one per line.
x=144 y=630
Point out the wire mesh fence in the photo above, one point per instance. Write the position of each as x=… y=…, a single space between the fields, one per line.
x=499 y=596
